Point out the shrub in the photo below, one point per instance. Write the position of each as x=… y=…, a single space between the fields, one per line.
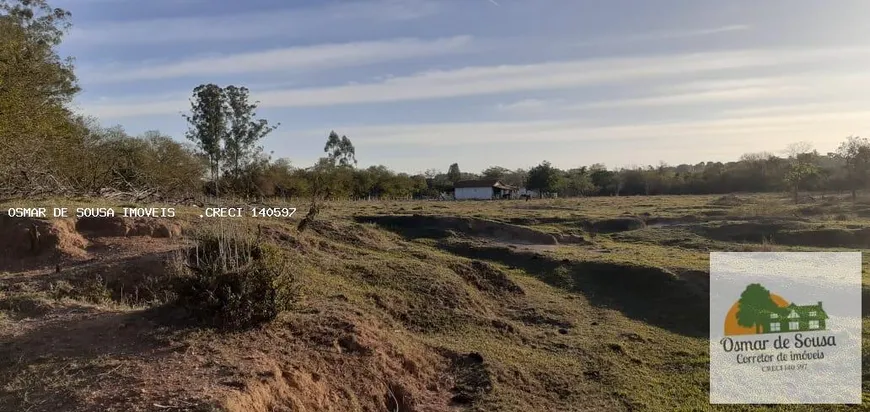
x=61 y=289
x=231 y=280
x=91 y=290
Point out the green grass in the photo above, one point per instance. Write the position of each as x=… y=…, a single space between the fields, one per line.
x=574 y=337
x=670 y=374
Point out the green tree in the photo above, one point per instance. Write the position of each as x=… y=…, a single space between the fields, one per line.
x=495 y=172
x=577 y=182
x=386 y=184
x=245 y=131
x=544 y=178
x=756 y=164
x=321 y=178
x=363 y=182
x=340 y=150
x=207 y=123
x=515 y=178
x=288 y=181
x=802 y=168
x=44 y=24
x=419 y=185
x=40 y=138
x=800 y=172
x=453 y=173
x=119 y=160
x=439 y=183
x=402 y=185
x=632 y=181
x=171 y=167
x=604 y=180
x=149 y=165
x=333 y=176
x=754 y=302
x=855 y=152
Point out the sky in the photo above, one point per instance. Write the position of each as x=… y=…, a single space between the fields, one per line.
x=421 y=84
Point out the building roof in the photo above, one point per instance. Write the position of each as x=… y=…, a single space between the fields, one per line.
x=483 y=183
x=803 y=311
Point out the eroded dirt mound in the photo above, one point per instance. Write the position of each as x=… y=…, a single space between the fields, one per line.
x=790 y=233
x=531 y=221
x=22 y=238
x=531 y=315
x=279 y=235
x=619 y=224
x=135 y=280
x=671 y=221
x=332 y=361
x=651 y=294
x=573 y=239
x=472 y=378
x=730 y=200
x=442 y=226
x=746 y=231
x=124 y=227
x=849 y=238
x=654 y=295
x=423 y=296
x=486 y=277
x=352 y=234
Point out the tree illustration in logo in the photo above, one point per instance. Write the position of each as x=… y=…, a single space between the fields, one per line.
x=754 y=302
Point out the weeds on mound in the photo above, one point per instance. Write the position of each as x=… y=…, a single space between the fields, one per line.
x=230 y=279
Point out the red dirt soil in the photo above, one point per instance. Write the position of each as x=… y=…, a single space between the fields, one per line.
x=67 y=355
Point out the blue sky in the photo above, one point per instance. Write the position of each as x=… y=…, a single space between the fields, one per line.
x=420 y=84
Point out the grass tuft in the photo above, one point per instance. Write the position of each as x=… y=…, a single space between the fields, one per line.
x=231 y=280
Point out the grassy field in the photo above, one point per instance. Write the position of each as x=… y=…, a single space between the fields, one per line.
x=563 y=304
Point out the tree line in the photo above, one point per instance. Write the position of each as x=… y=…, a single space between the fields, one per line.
x=801 y=168
x=46 y=148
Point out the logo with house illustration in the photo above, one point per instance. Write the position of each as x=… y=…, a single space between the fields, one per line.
x=759 y=311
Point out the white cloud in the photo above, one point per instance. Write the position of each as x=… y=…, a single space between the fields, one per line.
x=571 y=143
x=785 y=128
x=817 y=80
x=298 y=22
x=486 y=80
x=826 y=86
x=678 y=94
x=724 y=84
x=845 y=105
x=723 y=29
x=524 y=105
x=740 y=94
x=663 y=35
x=294 y=58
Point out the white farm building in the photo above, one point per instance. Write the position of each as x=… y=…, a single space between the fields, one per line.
x=483 y=190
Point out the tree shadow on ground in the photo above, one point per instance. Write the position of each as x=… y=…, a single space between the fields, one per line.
x=131 y=279
x=74 y=353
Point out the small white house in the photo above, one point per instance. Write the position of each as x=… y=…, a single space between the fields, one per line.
x=482 y=190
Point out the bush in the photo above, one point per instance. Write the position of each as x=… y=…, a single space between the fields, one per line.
x=231 y=280
x=91 y=290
